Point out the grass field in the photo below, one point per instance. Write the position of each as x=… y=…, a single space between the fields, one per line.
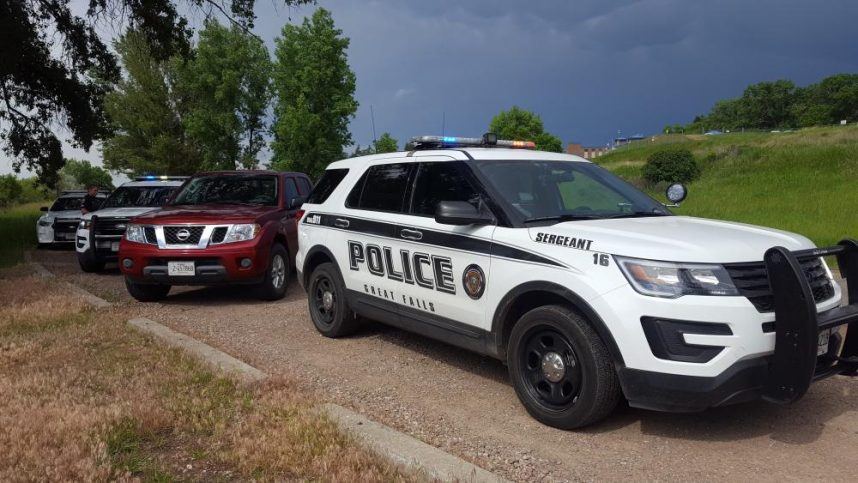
x=18 y=229
x=804 y=181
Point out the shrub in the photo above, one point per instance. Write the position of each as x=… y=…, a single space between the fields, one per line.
x=674 y=165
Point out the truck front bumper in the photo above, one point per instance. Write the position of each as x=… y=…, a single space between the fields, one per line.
x=784 y=376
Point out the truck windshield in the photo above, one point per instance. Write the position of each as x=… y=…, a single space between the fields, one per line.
x=67 y=204
x=229 y=190
x=566 y=190
x=138 y=196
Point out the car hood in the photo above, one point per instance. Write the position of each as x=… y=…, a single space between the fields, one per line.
x=204 y=214
x=63 y=215
x=668 y=238
x=126 y=212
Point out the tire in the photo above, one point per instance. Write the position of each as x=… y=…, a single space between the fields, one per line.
x=89 y=265
x=276 y=276
x=560 y=368
x=147 y=292
x=331 y=314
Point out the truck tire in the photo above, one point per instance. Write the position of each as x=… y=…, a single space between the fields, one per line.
x=276 y=276
x=146 y=292
x=560 y=368
x=326 y=296
x=90 y=265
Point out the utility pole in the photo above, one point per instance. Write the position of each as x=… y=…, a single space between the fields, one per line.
x=372 y=116
x=443 y=122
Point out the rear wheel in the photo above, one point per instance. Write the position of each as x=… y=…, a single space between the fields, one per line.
x=327 y=298
x=146 y=292
x=277 y=275
x=561 y=369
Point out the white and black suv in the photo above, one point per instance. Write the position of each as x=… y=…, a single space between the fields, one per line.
x=59 y=223
x=99 y=233
x=586 y=287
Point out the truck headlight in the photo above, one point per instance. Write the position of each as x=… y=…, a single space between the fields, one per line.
x=45 y=222
x=244 y=232
x=134 y=233
x=672 y=280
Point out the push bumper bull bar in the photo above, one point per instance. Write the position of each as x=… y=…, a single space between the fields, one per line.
x=795 y=364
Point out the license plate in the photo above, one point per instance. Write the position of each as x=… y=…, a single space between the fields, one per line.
x=180 y=269
x=66 y=236
x=114 y=246
x=822 y=343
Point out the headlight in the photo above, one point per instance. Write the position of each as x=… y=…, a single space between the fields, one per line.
x=84 y=224
x=45 y=222
x=672 y=280
x=134 y=233
x=239 y=233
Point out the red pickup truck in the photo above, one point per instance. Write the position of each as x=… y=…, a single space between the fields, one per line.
x=231 y=227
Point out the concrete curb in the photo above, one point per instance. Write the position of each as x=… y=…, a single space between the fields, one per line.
x=216 y=358
x=406 y=451
x=400 y=448
x=41 y=271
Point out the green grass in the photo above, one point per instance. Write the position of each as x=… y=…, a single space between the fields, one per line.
x=18 y=232
x=804 y=181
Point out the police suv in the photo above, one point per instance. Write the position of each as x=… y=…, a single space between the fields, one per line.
x=586 y=287
x=60 y=221
x=99 y=233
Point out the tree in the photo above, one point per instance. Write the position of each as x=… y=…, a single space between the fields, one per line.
x=385 y=144
x=315 y=89
x=227 y=84
x=768 y=104
x=55 y=70
x=79 y=174
x=146 y=113
x=10 y=190
x=520 y=124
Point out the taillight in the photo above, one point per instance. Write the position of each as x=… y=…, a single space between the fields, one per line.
x=298 y=215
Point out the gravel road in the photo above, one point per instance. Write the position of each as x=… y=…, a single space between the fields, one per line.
x=464 y=403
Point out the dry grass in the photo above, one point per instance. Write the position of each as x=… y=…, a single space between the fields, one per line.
x=84 y=397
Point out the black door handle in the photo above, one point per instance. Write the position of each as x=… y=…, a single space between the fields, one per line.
x=411 y=234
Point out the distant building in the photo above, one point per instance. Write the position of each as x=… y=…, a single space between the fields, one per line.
x=622 y=140
x=586 y=152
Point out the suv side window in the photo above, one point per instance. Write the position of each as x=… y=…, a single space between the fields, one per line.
x=326 y=185
x=440 y=181
x=381 y=188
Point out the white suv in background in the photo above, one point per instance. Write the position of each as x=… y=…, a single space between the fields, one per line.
x=60 y=221
x=98 y=233
x=585 y=286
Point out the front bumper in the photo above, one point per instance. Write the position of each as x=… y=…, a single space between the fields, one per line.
x=785 y=375
x=213 y=265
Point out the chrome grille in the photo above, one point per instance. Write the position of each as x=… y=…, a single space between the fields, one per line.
x=183 y=235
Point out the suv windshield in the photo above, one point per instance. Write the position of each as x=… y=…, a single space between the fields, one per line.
x=229 y=190
x=66 y=204
x=142 y=196
x=566 y=190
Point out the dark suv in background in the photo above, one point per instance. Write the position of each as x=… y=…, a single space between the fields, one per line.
x=231 y=227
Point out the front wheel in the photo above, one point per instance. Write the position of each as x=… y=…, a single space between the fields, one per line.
x=89 y=264
x=277 y=275
x=561 y=369
x=327 y=298
x=146 y=292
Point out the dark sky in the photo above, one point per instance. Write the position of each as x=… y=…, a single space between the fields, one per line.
x=588 y=68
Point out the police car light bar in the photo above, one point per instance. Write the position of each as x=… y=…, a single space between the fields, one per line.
x=152 y=177
x=488 y=140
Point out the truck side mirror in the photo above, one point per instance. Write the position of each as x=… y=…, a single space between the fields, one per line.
x=295 y=203
x=461 y=213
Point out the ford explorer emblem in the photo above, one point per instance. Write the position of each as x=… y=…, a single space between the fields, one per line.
x=183 y=234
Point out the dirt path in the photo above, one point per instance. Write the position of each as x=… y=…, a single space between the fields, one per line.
x=464 y=404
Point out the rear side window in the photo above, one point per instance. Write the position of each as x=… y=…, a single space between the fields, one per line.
x=291 y=189
x=330 y=180
x=382 y=188
x=303 y=186
x=438 y=182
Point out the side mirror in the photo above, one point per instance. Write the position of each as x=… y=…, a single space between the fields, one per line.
x=44 y=208
x=460 y=213
x=295 y=203
x=676 y=193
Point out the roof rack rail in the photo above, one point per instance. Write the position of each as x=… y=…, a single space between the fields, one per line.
x=489 y=140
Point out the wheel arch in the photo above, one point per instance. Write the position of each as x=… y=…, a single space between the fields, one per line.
x=316 y=256
x=531 y=295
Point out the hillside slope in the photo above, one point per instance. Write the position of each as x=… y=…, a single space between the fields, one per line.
x=804 y=181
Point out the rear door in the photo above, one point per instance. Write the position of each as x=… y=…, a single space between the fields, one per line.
x=451 y=265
